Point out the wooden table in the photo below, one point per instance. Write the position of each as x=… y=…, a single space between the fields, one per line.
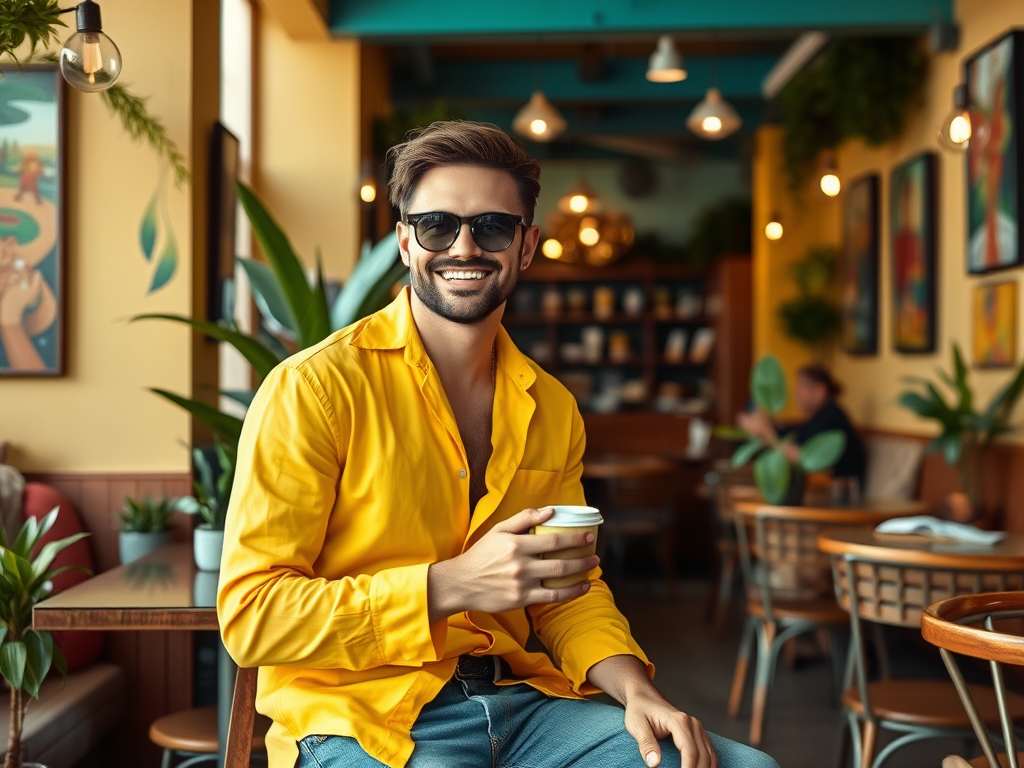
x=163 y=590
x=614 y=466
x=884 y=509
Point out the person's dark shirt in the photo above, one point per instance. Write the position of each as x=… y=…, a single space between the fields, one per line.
x=853 y=462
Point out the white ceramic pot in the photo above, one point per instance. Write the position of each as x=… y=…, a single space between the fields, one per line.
x=135 y=544
x=207 y=545
x=204 y=589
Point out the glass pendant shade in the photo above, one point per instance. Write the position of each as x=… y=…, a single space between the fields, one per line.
x=714 y=118
x=538 y=119
x=665 y=64
x=89 y=60
x=955 y=131
x=582 y=198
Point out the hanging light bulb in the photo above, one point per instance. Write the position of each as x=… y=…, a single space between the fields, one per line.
x=89 y=60
x=665 y=64
x=829 y=182
x=589 y=234
x=552 y=248
x=580 y=199
x=773 y=229
x=714 y=118
x=955 y=132
x=538 y=119
x=367 y=183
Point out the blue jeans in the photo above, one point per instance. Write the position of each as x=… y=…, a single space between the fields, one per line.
x=476 y=724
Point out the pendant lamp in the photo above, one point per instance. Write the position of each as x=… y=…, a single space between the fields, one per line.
x=539 y=119
x=665 y=64
x=955 y=131
x=714 y=118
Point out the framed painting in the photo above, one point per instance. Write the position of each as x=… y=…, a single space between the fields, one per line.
x=220 y=287
x=31 y=222
x=859 y=300
x=912 y=244
x=995 y=325
x=994 y=98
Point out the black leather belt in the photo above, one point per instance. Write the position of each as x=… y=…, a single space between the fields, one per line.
x=493 y=668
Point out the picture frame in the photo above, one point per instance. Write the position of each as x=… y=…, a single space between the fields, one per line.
x=859 y=268
x=223 y=228
x=32 y=229
x=912 y=245
x=994 y=325
x=994 y=76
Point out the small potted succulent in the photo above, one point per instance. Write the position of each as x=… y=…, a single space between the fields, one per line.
x=210 y=503
x=27 y=654
x=145 y=525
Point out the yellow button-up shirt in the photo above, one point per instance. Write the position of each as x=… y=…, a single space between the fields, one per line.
x=351 y=480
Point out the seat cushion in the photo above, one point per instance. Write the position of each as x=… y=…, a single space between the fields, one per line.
x=195 y=730
x=69 y=719
x=933 y=703
x=80 y=648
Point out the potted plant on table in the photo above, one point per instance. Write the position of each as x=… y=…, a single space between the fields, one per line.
x=210 y=504
x=145 y=525
x=966 y=434
x=26 y=654
x=779 y=477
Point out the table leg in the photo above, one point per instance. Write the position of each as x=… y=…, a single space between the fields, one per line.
x=226 y=671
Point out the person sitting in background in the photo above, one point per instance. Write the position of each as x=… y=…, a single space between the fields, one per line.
x=815 y=394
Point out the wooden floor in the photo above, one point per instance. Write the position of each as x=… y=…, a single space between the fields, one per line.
x=802 y=726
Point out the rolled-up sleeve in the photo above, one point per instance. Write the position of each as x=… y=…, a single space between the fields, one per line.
x=272 y=607
x=589 y=629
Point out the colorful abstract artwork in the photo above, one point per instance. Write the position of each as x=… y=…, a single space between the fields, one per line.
x=859 y=300
x=31 y=252
x=995 y=325
x=912 y=233
x=993 y=178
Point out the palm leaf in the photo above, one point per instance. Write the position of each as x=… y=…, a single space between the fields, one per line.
x=222 y=423
x=380 y=296
x=270 y=301
x=369 y=271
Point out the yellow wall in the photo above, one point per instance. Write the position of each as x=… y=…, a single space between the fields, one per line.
x=308 y=134
x=873 y=383
x=100 y=417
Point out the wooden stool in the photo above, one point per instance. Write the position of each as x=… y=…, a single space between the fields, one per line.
x=192 y=733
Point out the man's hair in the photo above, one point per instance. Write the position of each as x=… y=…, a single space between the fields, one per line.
x=461 y=142
x=819 y=375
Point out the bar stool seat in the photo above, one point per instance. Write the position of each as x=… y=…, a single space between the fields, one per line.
x=955 y=761
x=933 y=703
x=194 y=731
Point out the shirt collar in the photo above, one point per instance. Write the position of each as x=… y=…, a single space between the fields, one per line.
x=394 y=328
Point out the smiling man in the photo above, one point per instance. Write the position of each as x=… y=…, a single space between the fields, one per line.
x=378 y=563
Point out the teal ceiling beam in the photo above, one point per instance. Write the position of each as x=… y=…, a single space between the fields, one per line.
x=415 y=19
x=514 y=81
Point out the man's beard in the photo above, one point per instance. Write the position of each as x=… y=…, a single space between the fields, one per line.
x=470 y=306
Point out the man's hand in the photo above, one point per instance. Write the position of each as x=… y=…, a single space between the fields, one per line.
x=504 y=569
x=649 y=717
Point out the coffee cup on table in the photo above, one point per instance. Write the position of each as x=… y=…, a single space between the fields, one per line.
x=570 y=519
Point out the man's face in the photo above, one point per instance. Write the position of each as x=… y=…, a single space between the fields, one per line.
x=438 y=278
x=809 y=395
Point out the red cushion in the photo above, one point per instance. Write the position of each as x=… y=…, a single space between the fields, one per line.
x=80 y=647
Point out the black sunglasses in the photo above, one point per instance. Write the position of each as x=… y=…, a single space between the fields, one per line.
x=437 y=231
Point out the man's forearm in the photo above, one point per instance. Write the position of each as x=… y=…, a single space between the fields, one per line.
x=621 y=677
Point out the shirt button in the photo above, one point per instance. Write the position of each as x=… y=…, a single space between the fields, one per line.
x=462 y=474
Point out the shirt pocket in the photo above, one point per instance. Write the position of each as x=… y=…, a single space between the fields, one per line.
x=531 y=488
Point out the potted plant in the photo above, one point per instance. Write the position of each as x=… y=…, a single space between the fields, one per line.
x=145 y=525
x=966 y=434
x=778 y=477
x=210 y=504
x=812 y=316
x=26 y=654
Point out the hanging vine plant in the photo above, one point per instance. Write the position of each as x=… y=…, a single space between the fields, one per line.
x=860 y=88
x=812 y=316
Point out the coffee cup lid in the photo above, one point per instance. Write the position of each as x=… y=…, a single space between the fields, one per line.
x=569 y=516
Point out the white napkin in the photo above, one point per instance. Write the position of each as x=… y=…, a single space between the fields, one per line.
x=946 y=529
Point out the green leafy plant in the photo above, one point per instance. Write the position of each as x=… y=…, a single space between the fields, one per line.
x=773 y=471
x=151 y=514
x=296 y=312
x=26 y=654
x=721 y=229
x=812 y=317
x=966 y=434
x=861 y=87
x=212 y=496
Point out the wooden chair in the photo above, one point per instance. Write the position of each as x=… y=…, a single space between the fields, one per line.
x=726 y=484
x=789 y=592
x=896 y=593
x=243 y=716
x=952 y=626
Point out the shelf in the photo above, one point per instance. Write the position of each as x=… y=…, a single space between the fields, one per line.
x=574 y=318
x=631 y=270
x=685 y=364
x=633 y=362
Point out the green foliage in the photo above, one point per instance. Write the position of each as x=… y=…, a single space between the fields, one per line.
x=721 y=229
x=141 y=125
x=150 y=515
x=31 y=20
x=812 y=317
x=773 y=471
x=965 y=433
x=212 y=496
x=859 y=88
x=392 y=129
